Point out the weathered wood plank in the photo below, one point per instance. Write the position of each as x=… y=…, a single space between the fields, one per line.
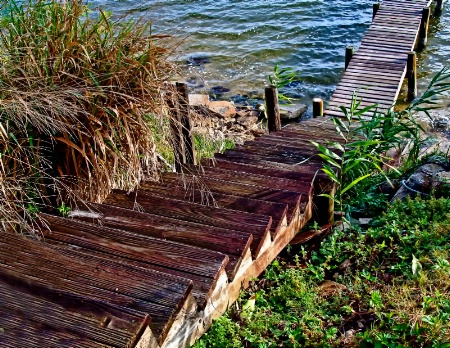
x=201 y=286
x=235 y=188
x=261 y=168
x=176 y=212
x=206 y=197
x=164 y=253
x=233 y=243
x=44 y=266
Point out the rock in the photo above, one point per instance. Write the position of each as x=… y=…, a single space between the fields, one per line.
x=349 y=336
x=224 y=108
x=438 y=119
x=257 y=132
x=198 y=99
x=422 y=181
x=244 y=108
x=219 y=90
x=328 y=288
x=260 y=107
x=364 y=221
x=344 y=265
x=240 y=99
x=441 y=123
x=247 y=121
x=198 y=60
x=292 y=112
x=236 y=128
x=195 y=82
x=441 y=182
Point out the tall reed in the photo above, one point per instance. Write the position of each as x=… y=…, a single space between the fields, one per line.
x=76 y=88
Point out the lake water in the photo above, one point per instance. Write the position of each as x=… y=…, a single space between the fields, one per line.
x=235 y=44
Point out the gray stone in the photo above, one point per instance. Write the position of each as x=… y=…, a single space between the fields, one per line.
x=437 y=119
x=328 y=288
x=427 y=177
x=247 y=121
x=248 y=113
x=292 y=112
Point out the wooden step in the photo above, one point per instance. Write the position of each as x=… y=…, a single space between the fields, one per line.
x=207 y=222
x=233 y=243
x=42 y=267
x=39 y=316
x=278 y=211
x=246 y=190
x=266 y=169
x=159 y=255
x=254 y=179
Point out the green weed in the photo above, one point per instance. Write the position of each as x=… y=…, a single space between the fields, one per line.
x=381 y=298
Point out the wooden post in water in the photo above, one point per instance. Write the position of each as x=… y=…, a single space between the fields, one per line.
x=376 y=7
x=317 y=107
x=186 y=124
x=349 y=52
x=272 y=109
x=411 y=73
x=439 y=8
x=423 y=31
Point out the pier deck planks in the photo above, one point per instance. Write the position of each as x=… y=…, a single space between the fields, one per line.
x=377 y=69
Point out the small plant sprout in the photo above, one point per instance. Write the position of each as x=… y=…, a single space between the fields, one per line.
x=281 y=78
x=64 y=210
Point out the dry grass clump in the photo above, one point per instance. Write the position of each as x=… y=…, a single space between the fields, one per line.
x=76 y=89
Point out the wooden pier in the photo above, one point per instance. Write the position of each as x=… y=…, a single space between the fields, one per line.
x=375 y=73
x=154 y=267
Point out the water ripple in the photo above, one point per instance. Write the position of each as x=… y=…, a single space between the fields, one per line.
x=243 y=40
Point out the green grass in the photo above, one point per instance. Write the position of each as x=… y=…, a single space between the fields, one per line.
x=206 y=147
x=394 y=289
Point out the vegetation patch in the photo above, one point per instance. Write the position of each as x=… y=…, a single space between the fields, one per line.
x=76 y=91
x=387 y=286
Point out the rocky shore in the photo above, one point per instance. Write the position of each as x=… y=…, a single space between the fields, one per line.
x=224 y=119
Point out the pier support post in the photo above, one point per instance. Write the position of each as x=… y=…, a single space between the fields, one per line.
x=423 y=31
x=181 y=127
x=349 y=52
x=439 y=8
x=176 y=138
x=411 y=74
x=376 y=7
x=323 y=207
x=186 y=124
x=272 y=109
x=317 y=107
